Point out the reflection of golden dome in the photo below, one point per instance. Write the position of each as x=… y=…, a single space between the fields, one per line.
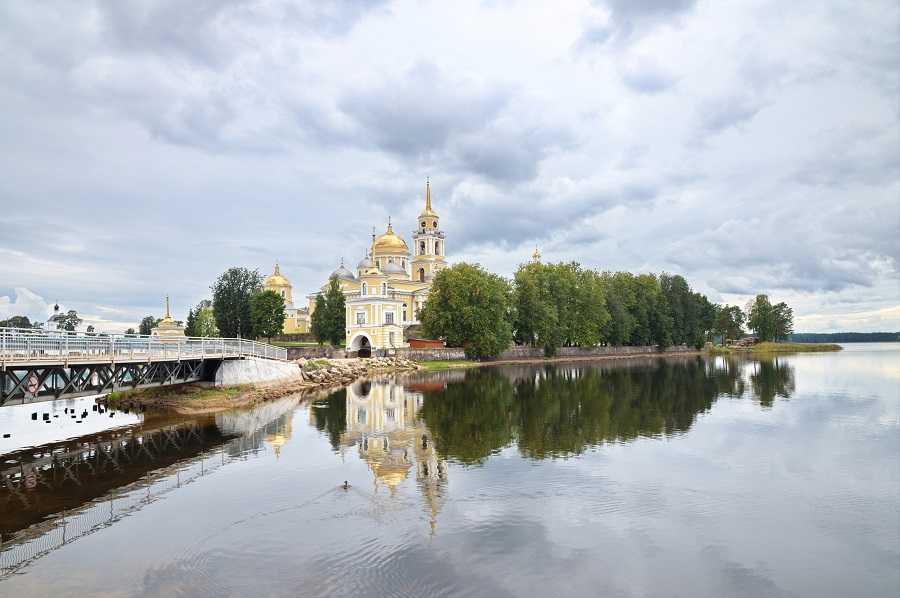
x=278 y=439
x=276 y=279
x=390 y=243
x=391 y=474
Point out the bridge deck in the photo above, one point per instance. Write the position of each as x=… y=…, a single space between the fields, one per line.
x=41 y=365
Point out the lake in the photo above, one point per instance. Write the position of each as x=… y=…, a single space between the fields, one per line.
x=682 y=476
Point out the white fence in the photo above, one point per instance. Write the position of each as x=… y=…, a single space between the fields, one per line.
x=19 y=345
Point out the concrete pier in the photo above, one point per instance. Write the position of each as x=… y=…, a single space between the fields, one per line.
x=252 y=371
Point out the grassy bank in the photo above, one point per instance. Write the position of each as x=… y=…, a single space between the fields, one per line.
x=770 y=348
x=794 y=347
x=450 y=364
x=184 y=398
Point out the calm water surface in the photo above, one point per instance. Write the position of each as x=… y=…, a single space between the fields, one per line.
x=678 y=477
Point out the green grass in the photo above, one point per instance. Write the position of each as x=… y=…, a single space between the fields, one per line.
x=315 y=364
x=193 y=392
x=718 y=350
x=449 y=364
x=794 y=347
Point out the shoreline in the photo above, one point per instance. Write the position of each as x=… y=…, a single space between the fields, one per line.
x=203 y=398
x=324 y=374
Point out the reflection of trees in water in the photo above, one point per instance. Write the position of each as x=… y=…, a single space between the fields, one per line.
x=770 y=378
x=562 y=410
x=330 y=416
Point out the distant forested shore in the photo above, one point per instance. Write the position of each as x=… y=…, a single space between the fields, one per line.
x=844 y=337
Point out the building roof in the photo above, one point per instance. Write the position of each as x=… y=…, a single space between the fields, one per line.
x=276 y=279
x=390 y=243
x=343 y=273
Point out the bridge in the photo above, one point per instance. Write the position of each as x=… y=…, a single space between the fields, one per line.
x=38 y=365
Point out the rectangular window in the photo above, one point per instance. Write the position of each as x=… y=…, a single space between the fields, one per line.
x=391 y=338
x=361 y=416
x=389 y=317
x=360 y=318
x=389 y=414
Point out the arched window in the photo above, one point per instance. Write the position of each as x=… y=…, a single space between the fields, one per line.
x=434 y=224
x=437 y=248
x=423 y=224
x=365 y=289
x=384 y=288
x=421 y=274
x=422 y=248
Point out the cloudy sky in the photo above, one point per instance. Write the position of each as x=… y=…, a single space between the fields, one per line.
x=751 y=146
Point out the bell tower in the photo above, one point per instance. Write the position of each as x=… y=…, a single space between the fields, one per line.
x=428 y=242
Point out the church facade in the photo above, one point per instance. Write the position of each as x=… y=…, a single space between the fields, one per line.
x=391 y=283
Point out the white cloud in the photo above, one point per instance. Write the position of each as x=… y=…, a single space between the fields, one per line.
x=750 y=147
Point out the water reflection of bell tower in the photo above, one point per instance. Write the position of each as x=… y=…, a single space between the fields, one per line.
x=382 y=422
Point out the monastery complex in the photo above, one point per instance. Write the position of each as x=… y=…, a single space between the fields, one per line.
x=385 y=292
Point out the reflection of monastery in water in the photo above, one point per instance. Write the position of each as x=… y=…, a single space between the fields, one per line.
x=382 y=423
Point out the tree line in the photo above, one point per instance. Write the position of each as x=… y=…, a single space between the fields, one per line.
x=565 y=305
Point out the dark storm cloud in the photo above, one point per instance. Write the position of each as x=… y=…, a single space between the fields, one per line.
x=718 y=114
x=646 y=77
x=416 y=114
x=628 y=18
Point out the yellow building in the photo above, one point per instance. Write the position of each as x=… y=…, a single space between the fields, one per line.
x=390 y=286
x=296 y=320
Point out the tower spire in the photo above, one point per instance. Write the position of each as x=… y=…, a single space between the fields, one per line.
x=168 y=315
x=427 y=194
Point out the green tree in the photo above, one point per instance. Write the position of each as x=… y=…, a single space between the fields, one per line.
x=147 y=324
x=130 y=332
x=591 y=313
x=67 y=321
x=335 y=310
x=231 y=301
x=17 y=322
x=535 y=315
x=90 y=330
x=470 y=308
x=267 y=314
x=190 y=324
x=729 y=322
x=205 y=320
x=653 y=324
x=763 y=319
x=619 y=292
x=319 y=320
x=784 y=321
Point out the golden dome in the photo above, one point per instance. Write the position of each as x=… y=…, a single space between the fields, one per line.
x=276 y=279
x=390 y=243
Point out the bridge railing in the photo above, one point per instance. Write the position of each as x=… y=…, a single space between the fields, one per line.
x=27 y=344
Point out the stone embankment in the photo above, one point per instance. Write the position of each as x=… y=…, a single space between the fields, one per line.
x=311 y=375
x=343 y=371
x=323 y=373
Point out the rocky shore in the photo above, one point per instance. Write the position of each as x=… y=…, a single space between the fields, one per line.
x=315 y=374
